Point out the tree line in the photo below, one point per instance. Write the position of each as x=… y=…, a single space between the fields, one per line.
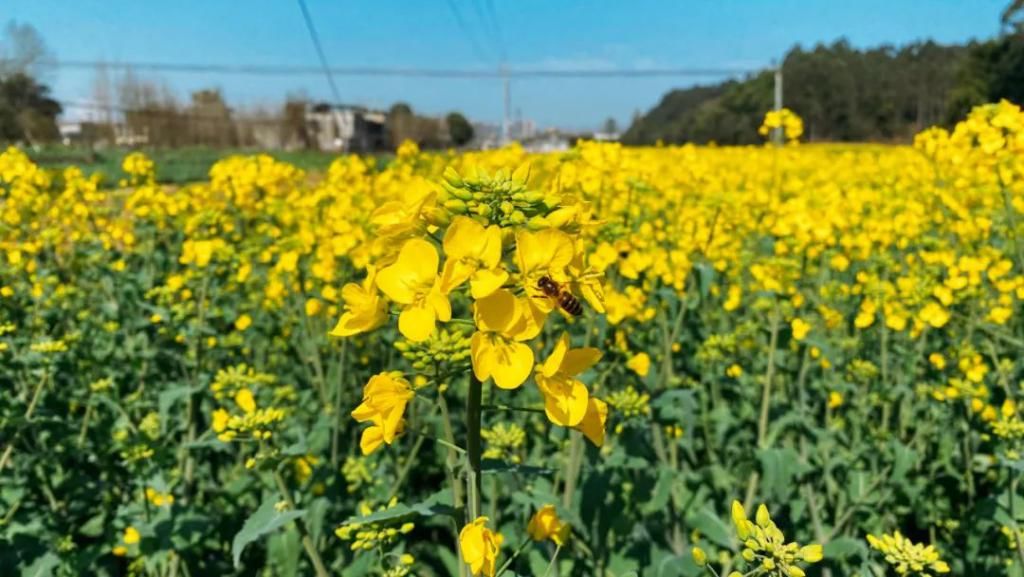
x=844 y=94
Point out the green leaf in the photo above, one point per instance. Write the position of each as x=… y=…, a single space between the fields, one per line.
x=661 y=493
x=707 y=276
x=622 y=566
x=713 y=527
x=361 y=566
x=433 y=505
x=284 y=551
x=42 y=566
x=169 y=397
x=93 y=527
x=265 y=520
x=449 y=559
x=905 y=458
x=843 y=547
x=779 y=468
x=496 y=466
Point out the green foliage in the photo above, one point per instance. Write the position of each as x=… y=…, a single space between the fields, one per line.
x=840 y=92
x=267 y=519
x=459 y=129
x=27 y=112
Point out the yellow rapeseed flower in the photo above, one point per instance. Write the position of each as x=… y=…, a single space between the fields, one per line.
x=497 y=349
x=413 y=282
x=480 y=547
x=545 y=524
x=473 y=253
x=565 y=397
x=365 y=310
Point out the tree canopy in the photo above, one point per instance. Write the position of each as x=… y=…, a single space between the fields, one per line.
x=842 y=93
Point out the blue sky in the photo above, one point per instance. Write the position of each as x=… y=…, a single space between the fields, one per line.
x=425 y=33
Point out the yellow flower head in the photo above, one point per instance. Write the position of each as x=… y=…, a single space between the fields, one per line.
x=384 y=400
x=545 y=524
x=473 y=253
x=480 y=547
x=243 y=322
x=412 y=281
x=497 y=350
x=640 y=364
x=546 y=253
x=365 y=310
x=800 y=328
x=906 y=556
x=566 y=399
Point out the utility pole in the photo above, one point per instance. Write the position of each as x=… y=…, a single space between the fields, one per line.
x=777 y=133
x=506 y=120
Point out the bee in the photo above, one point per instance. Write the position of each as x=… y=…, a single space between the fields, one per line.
x=560 y=295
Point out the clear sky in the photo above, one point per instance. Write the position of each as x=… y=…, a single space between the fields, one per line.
x=426 y=33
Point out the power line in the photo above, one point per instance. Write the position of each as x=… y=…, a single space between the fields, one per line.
x=467 y=32
x=319 y=50
x=283 y=70
x=496 y=24
x=485 y=23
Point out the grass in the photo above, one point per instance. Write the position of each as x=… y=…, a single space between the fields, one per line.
x=174 y=166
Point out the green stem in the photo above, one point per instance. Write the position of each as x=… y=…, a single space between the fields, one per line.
x=766 y=393
x=28 y=417
x=515 y=554
x=406 y=467
x=554 y=559
x=572 y=472
x=473 y=446
x=1013 y=517
x=300 y=525
x=456 y=486
x=188 y=464
x=339 y=396
x=85 y=424
x=766 y=402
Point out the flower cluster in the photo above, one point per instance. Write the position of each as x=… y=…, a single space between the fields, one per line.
x=907 y=557
x=792 y=126
x=765 y=547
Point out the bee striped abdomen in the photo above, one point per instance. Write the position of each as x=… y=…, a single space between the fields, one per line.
x=565 y=299
x=570 y=304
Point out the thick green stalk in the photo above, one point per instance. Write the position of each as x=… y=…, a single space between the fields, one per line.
x=572 y=469
x=453 y=481
x=473 y=446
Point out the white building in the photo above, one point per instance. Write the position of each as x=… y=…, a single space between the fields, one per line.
x=347 y=128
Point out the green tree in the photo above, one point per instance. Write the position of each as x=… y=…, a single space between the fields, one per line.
x=27 y=112
x=459 y=129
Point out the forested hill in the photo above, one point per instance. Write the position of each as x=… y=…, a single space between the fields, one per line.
x=881 y=94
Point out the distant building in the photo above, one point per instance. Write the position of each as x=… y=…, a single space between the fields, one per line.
x=126 y=135
x=347 y=128
x=98 y=134
x=550 y=140
x=607 y=136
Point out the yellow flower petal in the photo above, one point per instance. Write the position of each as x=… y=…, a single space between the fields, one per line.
x=245 y=401
x=565 y=401
x=416 y=323
x=592 y=425
x=371 y=439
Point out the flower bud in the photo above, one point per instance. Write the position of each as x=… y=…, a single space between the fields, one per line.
x=699 y=556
